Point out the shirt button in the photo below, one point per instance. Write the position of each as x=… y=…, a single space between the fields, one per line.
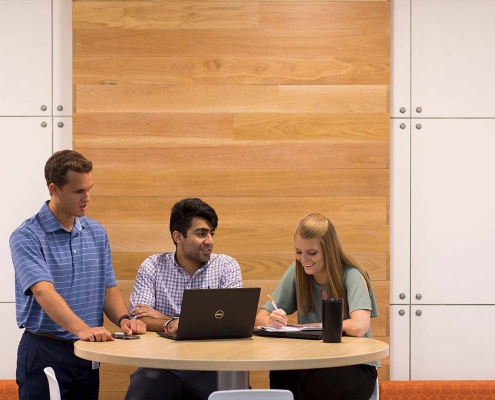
x=74 y=251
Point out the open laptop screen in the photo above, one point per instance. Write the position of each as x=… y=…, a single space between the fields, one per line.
x=216 y=314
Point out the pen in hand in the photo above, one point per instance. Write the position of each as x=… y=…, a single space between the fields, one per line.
x=279 y=315
x=273 y=302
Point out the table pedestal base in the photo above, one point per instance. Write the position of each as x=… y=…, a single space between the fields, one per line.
x=232 y=380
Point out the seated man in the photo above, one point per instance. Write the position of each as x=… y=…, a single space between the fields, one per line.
x=157 y=296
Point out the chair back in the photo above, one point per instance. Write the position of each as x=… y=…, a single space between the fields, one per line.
x=376 y=392
x=52 y=384
x=252 y=394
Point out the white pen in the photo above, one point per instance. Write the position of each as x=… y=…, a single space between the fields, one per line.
x=273 y=302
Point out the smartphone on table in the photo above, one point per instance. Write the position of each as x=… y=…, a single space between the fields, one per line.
x=122 y=335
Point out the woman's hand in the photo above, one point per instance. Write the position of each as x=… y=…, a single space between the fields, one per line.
x=277 y=319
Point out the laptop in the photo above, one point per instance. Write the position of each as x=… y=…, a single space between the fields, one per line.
x=216 y=314
x=314 y=334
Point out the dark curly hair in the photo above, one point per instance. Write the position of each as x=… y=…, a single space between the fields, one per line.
x=185 y=210
x=62 y=161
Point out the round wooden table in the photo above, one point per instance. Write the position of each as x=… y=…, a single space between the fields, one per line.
x=233 y=359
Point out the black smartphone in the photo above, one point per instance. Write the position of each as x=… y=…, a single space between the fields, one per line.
x=122 y=335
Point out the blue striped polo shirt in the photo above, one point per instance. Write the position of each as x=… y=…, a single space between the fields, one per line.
x=78 y=263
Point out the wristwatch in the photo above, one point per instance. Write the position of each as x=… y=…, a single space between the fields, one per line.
x=125 y=316
x=167 y=323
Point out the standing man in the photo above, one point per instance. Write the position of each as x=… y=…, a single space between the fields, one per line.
x=157 y=297
x=64 y=282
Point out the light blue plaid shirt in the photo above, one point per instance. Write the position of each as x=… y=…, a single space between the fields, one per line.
x=160 y=281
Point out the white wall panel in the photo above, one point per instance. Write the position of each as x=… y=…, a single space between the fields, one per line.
x=62 y=133
x=22 y=162
x=400 y=199
x=453 y=58
x=11 y=335
x=62 y=57
x=26 y=57
x=452 y=211
x=399 y=342
x=400 y=59
x=452 y=342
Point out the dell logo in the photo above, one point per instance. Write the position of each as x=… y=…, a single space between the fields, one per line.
x=219 y=314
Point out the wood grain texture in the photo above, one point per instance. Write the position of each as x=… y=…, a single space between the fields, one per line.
x=242 y=210
x=241 y=155
x=311 y=127
x=231 y=70
x=266 y=110
x=127 y=129
x=232 y=43
x=324 y=16
x=168 y=98
x=166 y=15
x=242 y=182
x=138 y=71
x=334 y=99
x=356 y=70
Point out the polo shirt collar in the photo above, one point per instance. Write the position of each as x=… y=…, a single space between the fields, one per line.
x=51 y=224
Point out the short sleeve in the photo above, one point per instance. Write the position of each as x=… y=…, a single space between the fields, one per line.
x=144 y=285
x=358 y=297
x=29 y=263
x=285 y=293
x=231 y=277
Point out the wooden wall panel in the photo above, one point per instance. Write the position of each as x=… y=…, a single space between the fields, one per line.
x=103 y=70
x=114 y=129
x=233 y=43
x=242 y=155
x=333 y=99
x=181 y=98
x=166 y=15
x=268 y=110
x=322 y=16
x=192 y=181
x=311 y=127
x=344 y=70
x=247 y=210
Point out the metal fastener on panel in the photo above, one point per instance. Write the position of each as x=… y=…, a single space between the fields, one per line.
x=401 y=312
x=60 y=108
x=419 y=109
x=402 y=110
x=402 y=296
x=43 y=108
x=402 y=126
x=418 y=313
x=418 y=296
x=419 y=126
x=60 y=124
x=44 y=124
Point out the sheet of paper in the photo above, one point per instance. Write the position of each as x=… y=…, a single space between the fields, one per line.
x=289 y=328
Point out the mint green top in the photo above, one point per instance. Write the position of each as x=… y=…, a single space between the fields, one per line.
x=358 y=297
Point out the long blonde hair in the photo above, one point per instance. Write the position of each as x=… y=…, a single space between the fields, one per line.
x=317 y=226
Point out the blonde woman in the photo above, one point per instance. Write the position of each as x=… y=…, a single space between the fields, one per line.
x=323 y=270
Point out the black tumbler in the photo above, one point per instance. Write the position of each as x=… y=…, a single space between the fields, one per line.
x=332 y=316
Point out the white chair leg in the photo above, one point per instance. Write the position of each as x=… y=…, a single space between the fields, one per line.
x=52 y=384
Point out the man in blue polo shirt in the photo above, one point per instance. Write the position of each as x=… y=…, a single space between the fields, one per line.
x=64 y=282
